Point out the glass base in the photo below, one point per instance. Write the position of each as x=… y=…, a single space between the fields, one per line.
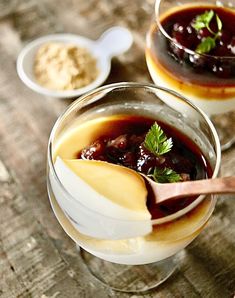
x=128 y=278
x=224 y=124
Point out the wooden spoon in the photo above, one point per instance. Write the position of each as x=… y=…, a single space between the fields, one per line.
x=170 y=191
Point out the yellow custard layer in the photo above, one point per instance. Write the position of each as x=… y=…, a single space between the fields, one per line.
x=158 y=72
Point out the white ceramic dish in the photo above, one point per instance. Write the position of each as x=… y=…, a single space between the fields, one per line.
x=112 y=42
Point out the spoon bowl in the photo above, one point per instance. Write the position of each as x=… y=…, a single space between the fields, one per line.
x=112 y=42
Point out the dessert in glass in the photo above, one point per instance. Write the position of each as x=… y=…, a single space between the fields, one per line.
x=190 y=48
x=126 y=240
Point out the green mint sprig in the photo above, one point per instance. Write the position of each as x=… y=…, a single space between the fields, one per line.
x=164 y=175
x=156 y=141
x=203 y=21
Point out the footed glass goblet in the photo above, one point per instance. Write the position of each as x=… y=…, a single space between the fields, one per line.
x=128 y=244
x=190 y=48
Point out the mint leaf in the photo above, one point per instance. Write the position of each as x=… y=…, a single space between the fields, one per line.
x=219 y=22
x=164 y=175
x=156 y=141
x=206 y=45
x=207 y=16
x=199 y=25
x=203 y=20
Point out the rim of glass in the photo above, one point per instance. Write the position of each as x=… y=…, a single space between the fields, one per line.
x=187 y=50
x=131 y=85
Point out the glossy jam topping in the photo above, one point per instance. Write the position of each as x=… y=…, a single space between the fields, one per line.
x=202 y=69
x=181 y=27
x=123 y=144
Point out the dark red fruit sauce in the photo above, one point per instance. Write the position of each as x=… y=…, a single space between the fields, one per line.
x=191 y=66
x=124 y=145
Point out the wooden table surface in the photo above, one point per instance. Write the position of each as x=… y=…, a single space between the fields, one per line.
x=37 y=258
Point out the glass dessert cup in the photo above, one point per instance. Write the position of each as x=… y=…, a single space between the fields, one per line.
x=207 y=81
x=127 y=253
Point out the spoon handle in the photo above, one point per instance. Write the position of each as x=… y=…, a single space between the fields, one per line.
x=191 y=188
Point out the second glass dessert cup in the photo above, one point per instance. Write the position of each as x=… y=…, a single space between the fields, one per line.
x=206 y=79
x=128 y=254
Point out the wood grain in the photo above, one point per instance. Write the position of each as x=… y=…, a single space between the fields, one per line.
x=37 y=259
